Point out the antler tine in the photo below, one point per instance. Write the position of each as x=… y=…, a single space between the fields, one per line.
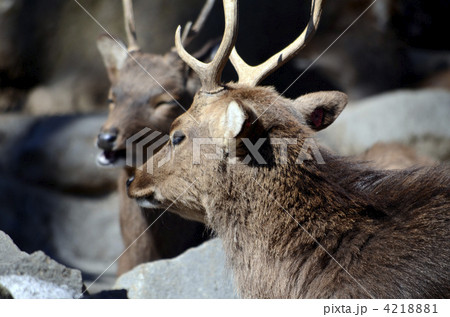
x=210 y=74
x=253 y=75
x=130 y=27
x=191 y=30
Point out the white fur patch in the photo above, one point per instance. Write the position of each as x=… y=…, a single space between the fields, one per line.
x=233 y=120
x=145 y=203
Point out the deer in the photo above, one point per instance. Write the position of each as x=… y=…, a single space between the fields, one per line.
x=147 y=91
x=292 y=225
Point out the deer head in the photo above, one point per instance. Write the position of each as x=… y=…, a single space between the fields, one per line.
x=147 y=90
x=232 y=115
x=290 y=226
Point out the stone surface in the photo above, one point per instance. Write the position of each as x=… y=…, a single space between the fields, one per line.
x=36 y=275
x=81 y=232
x=198 y=273
x=29 y=287
x=416 y=118
x=9 y=251
x=56 y=152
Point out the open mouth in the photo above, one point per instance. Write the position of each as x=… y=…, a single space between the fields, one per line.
x=112 y=158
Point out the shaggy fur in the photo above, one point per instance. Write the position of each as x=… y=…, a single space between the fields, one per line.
x=309 y=230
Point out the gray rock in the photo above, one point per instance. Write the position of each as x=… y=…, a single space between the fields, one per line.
x=29 y=287
x=86 y=232
x=57 y=152
x=36 y=275
x=81 y=232
x=416 y=118
x=86 y=235
x=9 y=251
x=198 y=273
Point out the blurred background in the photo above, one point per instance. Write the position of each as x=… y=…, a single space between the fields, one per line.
x=394 y=63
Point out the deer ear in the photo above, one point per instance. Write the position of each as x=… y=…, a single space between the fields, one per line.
x=114 y=54
x=320 y=109
x=232 y=121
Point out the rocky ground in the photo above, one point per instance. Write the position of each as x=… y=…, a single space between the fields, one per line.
x=35 y=275
x=198 y=273
x=57 y=205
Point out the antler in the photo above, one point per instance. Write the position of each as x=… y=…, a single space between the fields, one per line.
x=130 y=28
x=253 y=75
x=191 y=30
x=210 y=74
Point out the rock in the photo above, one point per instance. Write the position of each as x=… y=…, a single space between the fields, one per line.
x=9 y=251
x=86 y=235
x=415 y=118
x=57 y=152
x=28 y=287
x=70 y=94
x=36 y=275
x=198 y=273
x=50 y=162
x=82 y=232
x=43 y=100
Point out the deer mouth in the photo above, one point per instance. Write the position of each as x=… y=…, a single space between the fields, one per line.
x=149 y=203
x=112 y=158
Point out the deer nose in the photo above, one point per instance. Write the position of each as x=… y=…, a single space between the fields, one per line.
x=129 y=181
x=105 y=140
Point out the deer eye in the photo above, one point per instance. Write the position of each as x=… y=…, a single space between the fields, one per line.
x=111 y=104
x=160 y=103
x=165 y=102
x=177 y=137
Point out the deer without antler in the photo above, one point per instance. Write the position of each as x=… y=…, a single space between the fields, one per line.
x=147 y=90
x=295 y=228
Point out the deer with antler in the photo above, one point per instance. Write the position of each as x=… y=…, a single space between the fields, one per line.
x=147 y=91
x=292 y=226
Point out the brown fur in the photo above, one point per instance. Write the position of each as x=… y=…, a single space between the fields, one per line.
x=388 y=230
x=168 y=236
x=138 y=100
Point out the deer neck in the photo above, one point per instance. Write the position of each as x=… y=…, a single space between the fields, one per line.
x=280 y=226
